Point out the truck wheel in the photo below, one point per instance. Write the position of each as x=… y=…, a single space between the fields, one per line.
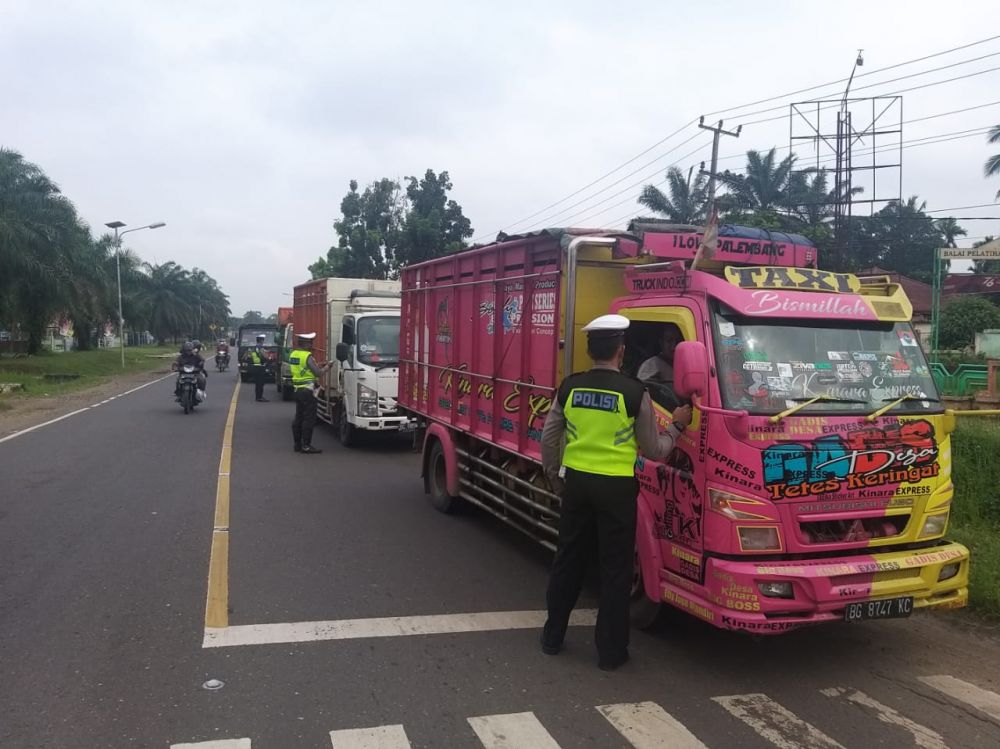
x=643 y=612
x=346 y=431
x=438 y=481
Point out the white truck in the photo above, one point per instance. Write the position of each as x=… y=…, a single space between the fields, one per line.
x=356 y=321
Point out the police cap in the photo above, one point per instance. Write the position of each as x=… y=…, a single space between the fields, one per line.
x=607 y=326
x=305 y=336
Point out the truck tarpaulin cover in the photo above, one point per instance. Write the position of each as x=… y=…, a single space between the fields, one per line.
x=480 y=339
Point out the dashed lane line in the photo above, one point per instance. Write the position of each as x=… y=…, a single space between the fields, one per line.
x=80 y=410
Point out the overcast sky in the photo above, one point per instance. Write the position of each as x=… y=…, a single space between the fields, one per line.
x=240 y=124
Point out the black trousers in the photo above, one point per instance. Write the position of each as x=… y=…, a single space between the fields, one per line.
x=305 y=417
x=258 y=380
x=597 y=519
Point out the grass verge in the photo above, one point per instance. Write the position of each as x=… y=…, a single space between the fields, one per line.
x=83 y=369
x=975 y=515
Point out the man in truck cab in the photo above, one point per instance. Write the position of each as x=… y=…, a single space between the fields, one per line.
x=661 y=367
x=606 y=418
x=305 y=380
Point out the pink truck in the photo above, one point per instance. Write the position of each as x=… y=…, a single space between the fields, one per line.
x=814 y=483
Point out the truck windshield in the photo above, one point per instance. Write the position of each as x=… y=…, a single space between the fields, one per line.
x=248 y=336
x=378 y=341
x=766 y=366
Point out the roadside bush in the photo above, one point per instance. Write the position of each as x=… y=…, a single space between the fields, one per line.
x=975 y=518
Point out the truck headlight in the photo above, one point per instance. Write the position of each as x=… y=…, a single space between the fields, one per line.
x=948 y=571
x=934 y=525
x=367 y=401
x=759 y=538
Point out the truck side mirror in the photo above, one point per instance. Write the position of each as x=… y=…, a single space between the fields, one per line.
x=690 y=369
x=342 y=352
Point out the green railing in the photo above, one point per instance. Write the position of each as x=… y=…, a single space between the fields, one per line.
x=964 y=381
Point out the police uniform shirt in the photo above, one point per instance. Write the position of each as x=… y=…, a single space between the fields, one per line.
x=652 y=443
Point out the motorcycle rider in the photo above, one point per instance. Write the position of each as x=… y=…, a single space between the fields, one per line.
x=189 y=356
x=221 y=352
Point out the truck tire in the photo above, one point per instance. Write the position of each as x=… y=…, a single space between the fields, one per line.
x=437 y=476
x=346 y=431
x=643 y=613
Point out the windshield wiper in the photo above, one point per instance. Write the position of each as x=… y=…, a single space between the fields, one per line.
x=895 y=402
x=808 y=402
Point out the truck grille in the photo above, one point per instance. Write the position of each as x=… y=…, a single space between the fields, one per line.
x=387 y=407
x=856 y=529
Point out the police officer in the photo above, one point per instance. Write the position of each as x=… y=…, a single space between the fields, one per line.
x=305 y=380
x=606 y=418
x=256 y=359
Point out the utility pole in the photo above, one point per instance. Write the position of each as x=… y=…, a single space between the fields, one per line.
x=717 y=132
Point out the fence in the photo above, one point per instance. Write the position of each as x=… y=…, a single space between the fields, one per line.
x=964 y=381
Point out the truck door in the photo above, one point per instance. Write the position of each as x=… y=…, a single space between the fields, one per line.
x=672 y=491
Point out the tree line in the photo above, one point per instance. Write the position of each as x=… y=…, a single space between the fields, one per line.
x=53 y=268
x=385 y=227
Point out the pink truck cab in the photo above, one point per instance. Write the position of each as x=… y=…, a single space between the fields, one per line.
x=814 y=483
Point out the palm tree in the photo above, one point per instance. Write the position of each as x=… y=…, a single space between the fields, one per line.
x=169 y=300
x=686 y=202
x=992 y=165
x=39 y=232
x=765 y=186
x=951 y=230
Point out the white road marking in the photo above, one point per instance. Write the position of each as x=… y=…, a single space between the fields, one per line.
x=512 y=731
x=45 y=423
x=393 y=626
x=924 y=736
x=981 y=699
x=217 y=744
x=775 y=723
x=379 y=737
x=646 y=725
x=79 y=410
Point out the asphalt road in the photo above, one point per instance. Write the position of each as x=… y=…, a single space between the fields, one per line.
x=106 y=521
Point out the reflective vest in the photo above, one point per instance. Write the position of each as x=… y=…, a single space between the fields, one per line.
x=257 y=358
x=600 y=408
x=302 y=376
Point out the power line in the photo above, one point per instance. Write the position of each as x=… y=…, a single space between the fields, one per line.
x=774 y=98
x=862 y=75
x=588 y=211
x=548 y=221
x=940 y=138
x=886 y=93
x=591 y=184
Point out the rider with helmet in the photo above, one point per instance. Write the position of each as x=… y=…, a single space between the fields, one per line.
x=190 y=354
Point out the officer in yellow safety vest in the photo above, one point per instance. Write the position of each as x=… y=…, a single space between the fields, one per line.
x=256 y=359
x=305 y=379
x=605 y=418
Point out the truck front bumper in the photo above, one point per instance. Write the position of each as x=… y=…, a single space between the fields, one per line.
x=385 y=423
x=820 y=589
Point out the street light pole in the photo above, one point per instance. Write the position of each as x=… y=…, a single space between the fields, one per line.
x=116 y=225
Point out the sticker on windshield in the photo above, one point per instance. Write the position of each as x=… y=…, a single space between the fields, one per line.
x=755 y=356
x=727 y=329
x=838 y=356
x=757 y=366
x=907 y=339
x=865 y=356
x=785 y=370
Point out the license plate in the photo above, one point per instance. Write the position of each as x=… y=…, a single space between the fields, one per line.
x=886 y=608
x=407 y=427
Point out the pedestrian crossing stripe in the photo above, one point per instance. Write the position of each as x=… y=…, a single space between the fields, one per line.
x=646 y=725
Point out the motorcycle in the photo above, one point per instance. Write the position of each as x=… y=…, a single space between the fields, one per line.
x=187 y=388
x=222 y=360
